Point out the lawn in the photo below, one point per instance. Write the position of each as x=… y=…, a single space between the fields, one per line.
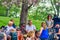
x=4 y=21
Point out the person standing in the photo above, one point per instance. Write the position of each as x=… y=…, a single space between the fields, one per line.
x=8 y=28
x=49 y=21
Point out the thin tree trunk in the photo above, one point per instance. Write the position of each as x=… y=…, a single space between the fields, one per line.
x=24 y=12
x=53 y=6
x=7 y=12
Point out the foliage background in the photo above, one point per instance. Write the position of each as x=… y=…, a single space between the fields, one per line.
x=37 y=13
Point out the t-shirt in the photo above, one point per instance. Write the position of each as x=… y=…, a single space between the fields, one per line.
x=8 y=29
x=30 y=28
x=49 y=23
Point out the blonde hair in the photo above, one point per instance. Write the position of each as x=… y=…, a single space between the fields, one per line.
x=31 y=33
x=10 y=23
x=43 y=23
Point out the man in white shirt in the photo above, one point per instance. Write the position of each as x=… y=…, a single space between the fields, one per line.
x=30 y=26
x=9 y=27
x=8 y=30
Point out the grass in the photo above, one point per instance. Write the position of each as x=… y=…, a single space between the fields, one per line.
x=4 y=21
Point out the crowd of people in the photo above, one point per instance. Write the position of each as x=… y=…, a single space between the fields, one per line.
x=28 y=32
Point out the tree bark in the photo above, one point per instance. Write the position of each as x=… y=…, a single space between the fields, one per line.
x=24 y=12
x=7 y=12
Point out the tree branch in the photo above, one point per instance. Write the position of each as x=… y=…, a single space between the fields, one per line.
x=30 y=6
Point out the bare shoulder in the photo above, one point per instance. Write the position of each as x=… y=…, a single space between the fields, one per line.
x=41 y=28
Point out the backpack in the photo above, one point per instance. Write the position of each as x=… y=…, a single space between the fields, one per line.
x=13 y=35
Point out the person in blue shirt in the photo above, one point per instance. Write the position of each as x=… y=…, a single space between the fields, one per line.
x=44 y=34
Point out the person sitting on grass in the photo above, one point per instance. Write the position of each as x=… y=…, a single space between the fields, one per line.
x=44 y=34
x=30 y=35
x=2 y=35
x=30 y=26
x=9 y=27
x=19 y=34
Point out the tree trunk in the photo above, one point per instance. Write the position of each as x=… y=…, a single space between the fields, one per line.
x=57 y=8
x=53 y=4
x=7 y=12
x=24 y=12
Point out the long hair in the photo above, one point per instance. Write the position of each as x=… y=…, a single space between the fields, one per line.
x=43 y=23
x=49 y=16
